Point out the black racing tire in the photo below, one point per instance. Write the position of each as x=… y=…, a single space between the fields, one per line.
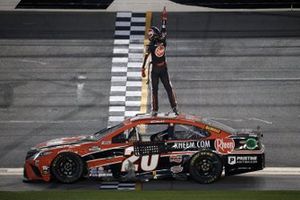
x=205 y=167
x=67 y=167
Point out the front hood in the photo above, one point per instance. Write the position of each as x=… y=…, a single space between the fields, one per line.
x=63 y=141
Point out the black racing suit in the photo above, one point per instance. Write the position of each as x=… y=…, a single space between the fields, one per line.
x=157 y=48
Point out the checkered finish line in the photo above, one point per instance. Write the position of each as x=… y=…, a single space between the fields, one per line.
x=126 y=81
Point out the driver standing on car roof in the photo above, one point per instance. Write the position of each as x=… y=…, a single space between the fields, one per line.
x=157 y=50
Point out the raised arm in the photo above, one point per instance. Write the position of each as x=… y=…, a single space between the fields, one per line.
x=164 y=23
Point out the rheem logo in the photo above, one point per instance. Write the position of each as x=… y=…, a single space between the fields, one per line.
x=224 y=146
x=160 y=51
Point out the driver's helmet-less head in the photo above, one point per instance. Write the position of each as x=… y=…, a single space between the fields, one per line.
x=154 y=33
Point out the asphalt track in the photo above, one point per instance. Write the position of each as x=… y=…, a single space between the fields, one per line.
x=240 y=68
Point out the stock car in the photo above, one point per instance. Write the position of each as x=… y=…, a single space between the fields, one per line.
x=148 y=147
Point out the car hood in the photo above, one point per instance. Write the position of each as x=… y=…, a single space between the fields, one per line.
x=63 y=141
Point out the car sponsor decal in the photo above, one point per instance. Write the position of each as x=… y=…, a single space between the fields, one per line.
x=233 y=160
x=106 y=142
x=176 y=158
x=176 y=169
x=191 y=145
x=160 y=51
x=224 y=145
x=94 y=148
x=100 y=172
x=209 y=128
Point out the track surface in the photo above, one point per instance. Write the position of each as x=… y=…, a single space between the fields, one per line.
x=244 y=182
x=239 y=68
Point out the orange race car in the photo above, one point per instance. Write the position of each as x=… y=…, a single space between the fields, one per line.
x=146 y=147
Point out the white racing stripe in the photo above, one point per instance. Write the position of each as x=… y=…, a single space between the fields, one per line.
x=279 y=171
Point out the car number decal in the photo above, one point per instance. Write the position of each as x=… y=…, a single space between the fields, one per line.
x=148 y=162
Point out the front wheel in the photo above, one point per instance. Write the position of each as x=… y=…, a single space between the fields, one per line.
x=67 y=167
x=205 y=167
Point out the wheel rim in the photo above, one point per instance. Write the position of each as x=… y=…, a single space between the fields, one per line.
x=206 y=166
x=67 y=167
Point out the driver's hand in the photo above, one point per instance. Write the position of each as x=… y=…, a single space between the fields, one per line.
x=143 y=73
x=164 y=14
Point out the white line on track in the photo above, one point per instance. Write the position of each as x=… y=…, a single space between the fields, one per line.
x=280 y=171
x=295 y=171
x=251 y=79
x=260 y=120
x=46 y=121
x=33 y=61
x=11 y=171
x=242 y=120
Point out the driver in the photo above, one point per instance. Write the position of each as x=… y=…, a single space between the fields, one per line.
x=156 y=49
x=167 y=134
x=132 y=135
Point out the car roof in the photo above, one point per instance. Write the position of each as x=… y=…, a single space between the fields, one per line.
x=161 y=117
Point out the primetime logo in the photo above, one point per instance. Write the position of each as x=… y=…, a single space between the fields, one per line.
x=232 y=160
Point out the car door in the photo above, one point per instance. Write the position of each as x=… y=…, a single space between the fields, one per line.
x=189 y=138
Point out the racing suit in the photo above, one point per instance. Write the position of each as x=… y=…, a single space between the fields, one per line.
x=157 y=50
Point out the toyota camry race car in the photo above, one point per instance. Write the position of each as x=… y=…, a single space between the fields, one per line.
x=147 y=147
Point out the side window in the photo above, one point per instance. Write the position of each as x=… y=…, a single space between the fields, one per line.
x=186 y=132
x=129 y=135
x=146 y=132
x=120 y=138
x=156 y=132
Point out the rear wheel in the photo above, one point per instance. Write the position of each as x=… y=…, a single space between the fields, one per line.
x=205 y=167
x=67 y=167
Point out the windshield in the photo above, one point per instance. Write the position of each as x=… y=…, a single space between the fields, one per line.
x=100 y=134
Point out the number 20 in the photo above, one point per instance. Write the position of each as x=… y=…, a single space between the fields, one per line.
x=145 y=164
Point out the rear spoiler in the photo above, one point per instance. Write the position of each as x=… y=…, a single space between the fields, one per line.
x=250 y=132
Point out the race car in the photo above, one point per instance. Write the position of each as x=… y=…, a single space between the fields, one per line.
x=148 y=147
